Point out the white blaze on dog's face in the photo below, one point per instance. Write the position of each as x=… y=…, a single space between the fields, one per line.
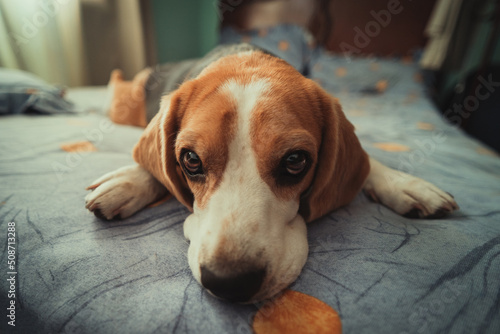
x=247 y=162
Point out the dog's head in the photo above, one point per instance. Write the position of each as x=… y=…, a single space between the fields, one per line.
x=255 y=150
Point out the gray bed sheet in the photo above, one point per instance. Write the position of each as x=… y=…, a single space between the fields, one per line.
x=383 y=273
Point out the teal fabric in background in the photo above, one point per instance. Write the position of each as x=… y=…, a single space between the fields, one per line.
x=184 y=29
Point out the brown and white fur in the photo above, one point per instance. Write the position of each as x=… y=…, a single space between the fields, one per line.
x=255 y=151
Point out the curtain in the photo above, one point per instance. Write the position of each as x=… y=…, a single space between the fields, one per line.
x=72 y=42
x=43 y=37
x=440 y=29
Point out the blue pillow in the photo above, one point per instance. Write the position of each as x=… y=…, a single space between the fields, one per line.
x=22 y=92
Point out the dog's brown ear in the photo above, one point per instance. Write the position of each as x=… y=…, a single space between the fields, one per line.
x=155 y=150
x=342 y=165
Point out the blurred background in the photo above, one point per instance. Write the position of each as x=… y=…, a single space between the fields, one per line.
x=78 y=42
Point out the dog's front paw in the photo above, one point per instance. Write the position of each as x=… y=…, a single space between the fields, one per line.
x=120 y=194
x=409 y=196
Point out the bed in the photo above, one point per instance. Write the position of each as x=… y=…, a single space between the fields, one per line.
x=382 y=273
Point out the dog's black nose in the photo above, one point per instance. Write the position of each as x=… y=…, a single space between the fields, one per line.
x=239 y=288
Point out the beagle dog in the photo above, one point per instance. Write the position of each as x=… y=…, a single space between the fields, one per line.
x=255 y=151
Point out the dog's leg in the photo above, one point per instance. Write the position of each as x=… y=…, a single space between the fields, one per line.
x=407 y=195
x=123 y=192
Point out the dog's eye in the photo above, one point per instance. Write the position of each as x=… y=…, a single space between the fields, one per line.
x=295 y=163
x=192 y=163
x=292 y=168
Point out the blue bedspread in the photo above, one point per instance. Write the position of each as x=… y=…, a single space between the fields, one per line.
x=383 y=273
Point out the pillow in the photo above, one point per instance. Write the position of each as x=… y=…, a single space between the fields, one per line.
x=22 y=92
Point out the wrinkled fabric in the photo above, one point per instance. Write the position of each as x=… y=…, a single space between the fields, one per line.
x=381 y=272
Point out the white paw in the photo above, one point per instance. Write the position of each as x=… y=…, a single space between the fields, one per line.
x=121 y=193
x=407 y=195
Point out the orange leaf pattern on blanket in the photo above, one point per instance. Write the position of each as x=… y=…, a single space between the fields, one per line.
x=381 y=85
x=392 y=147
x=356 y=112
x=79 y=146
x=425 y=126
x=295 y=312
x=341 y=72
x=283 y=45
x=486 y=151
